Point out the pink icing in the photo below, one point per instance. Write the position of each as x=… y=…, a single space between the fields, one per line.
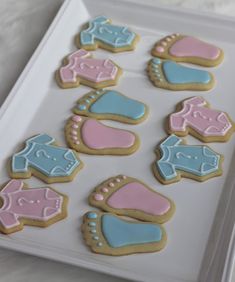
x=192 y=47
x=98 y=136
x=36 y=204
x=76 y=118
x=160 y=49
x=206 y=121
x=98 y=197
x=136 y=196
x=105 y=190
x=81 y=65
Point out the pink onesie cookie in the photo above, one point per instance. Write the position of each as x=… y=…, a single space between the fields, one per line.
x=128 y=196
x=25 y=206
x=195 y=117
x=80 y=68
x=182 y=48
x=90 y=136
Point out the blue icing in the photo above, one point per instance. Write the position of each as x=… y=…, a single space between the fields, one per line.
x=92 y=223
x=81 y=107
x=91 y=215
x=177 y=74
x=112 y=102
x=45 y=158
x=100 y=29
x=156 y=61
x=119 y=233
x=197 y=160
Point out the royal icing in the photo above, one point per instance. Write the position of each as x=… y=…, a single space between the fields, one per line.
x=41 y=155
x=177 y=74
x=192 y=47
x=136 y=196
x=196 y=115
x=112 y=102
x=39 y=204
x=197 y=160
x=120 y=233
x=99 y=136
x=81 y=65
x=100 y=30
x=181 y=46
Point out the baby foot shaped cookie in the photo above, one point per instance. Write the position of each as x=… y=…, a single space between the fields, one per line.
x=80 y=68
x=128 y=196
x=194 y=116
x=109 y=234
x=25 y=206
x=176 y=160
x=173 y=76
x=110 y=104
x=101 y=33
x=43 y=159
x=188 y=49
x=90 y=136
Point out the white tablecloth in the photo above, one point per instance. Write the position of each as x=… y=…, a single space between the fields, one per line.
x=22 y=25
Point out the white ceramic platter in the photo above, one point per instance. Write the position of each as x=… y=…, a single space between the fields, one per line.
x=201 y=234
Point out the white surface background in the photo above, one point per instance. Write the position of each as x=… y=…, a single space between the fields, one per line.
x=22 y=25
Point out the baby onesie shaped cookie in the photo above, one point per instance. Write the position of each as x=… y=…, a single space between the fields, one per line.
x=43 y=159
x=90 y=136
x=194 y=116
x=25 y=206
x=111 y=104
x=109 y=234
x=188 y=49
x=80 y=68
x=101 y=33
x=128 y=196
x=173 y=76
x=176 y=160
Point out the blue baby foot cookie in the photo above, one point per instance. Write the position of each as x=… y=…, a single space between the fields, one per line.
x=109 y=234
x=110 y=104
x=101 y=33
x=42 y=158
x=180 y=160
x=173 y=76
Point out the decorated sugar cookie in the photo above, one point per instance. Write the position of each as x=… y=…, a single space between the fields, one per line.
x=109 y=234
x=128 y=196
x=43 y=159
x=80 y=68
x=173 y=76
x=89 y=136
x=194 y=116
x=101 y=33
x=182 y=48
x=176 y=160
x=110 y=104
x=25 y=206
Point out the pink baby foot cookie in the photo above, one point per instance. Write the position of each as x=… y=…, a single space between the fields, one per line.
x=25 y=206
x=182 y=48
x=90 y=136
x=80 y=68
x=128 y=196
x=194 y=116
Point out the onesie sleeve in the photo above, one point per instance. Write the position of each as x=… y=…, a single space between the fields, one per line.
x=166 y=170
x=19 y=164
x=177 y=123
x=86 y=38
x=8 y=220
